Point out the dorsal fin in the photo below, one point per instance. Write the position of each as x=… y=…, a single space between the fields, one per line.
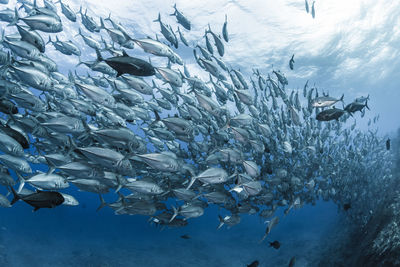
x=124 y=53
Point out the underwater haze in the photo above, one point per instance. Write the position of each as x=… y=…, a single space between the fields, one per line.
x=199 y=133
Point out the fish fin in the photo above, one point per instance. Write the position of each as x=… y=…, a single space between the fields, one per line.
x=102 y=203
x=102 y=26
x=175 y=213
x=22 y=182
x=192 y=180
x=158 y=118
x=158 y=19
x=16 y=18
x=221 y=222
x=366 y=103
x=124 y=53
x=16 y=196
x=263 y=238
x=51 y=170
x=119 y=185
x=36 y=208
x=341 y=99
x=99 y=56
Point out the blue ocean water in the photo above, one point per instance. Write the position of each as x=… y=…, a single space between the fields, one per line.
x=81 y=236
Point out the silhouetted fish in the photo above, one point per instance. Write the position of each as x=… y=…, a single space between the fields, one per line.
x=40 y=199
x=292 y=261
x=275 y=244
x=185 y=236
x=388 y=144
x=346 y=206
x=253 y=264
x=127 y=64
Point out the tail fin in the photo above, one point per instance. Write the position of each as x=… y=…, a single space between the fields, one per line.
x=22 y=181
x=174 y=14
x=341 y=99
x=192 y=180
x=263 y=238
x=99 y=57
x=157 y=115
x=49 y=41
x=119 y=184
x=102 y=26
x=175 y=214
x=366 y=104
x=16 y=196
x=102 y=203
x=79 y=32
x=16 y=18
x=221 y=222
x=158 y=19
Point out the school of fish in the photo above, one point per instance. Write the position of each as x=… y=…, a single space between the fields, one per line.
x=165 y=143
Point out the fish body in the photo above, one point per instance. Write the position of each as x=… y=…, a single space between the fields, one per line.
x=325 y=101
x=181 y=18
x=129 y=65
x=40 y=199
x=291 y=62
x=330 y=114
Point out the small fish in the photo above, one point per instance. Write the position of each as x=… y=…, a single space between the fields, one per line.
x=225 y=29
x=291 y=62
x=185 y=236
x=388 y=144
x=307 y=7
x=346 y=206
x=254 y=264
x=313 y=10
x=275 y=244
x=292 y=261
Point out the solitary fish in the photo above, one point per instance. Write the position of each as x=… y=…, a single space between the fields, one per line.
x=225 y=29
x=275 y=244
x=253 y=264
x=291 y=62
x=185 y=236
x=40 y=199
x=388 y=144
x=292 y=261
x=346 y=206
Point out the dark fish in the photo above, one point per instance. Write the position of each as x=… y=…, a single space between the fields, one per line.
x=40 y=199
x=8 y=107
x=330 y=114
x=185 y=236
x=388 y=144
x=356 y=106
x=253 y=264
x=127 y=64
x=16 y=135
x=346 y=206
x=275 y=244
x=291 y=62
x=292 y=261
